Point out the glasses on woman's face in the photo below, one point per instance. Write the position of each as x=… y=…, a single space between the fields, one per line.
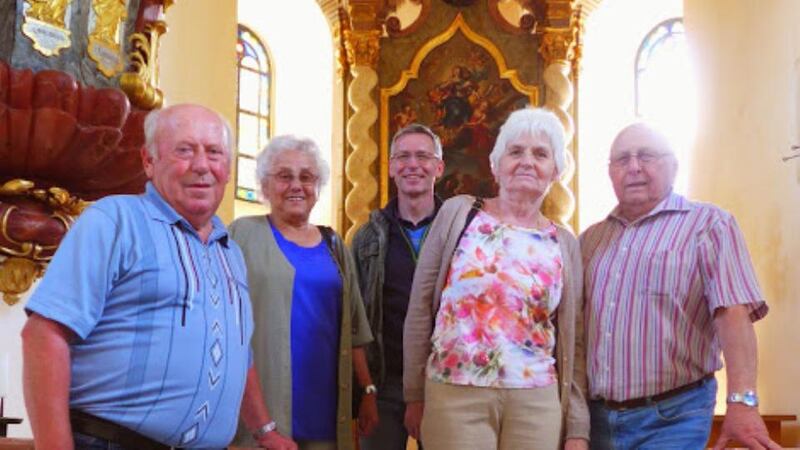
x=286 y=177
x=644 y=158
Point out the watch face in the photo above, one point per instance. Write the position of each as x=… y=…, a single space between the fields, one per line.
x=750 y=398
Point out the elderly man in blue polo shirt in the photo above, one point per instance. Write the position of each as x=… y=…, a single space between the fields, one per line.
x=139 y=333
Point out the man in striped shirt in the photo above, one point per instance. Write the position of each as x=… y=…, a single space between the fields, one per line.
x=669 y=286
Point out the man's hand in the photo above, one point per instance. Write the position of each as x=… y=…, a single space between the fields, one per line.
x=413 y=419
x=576 y=444
x=275 y=441
x=367 y=414
x=744 y=424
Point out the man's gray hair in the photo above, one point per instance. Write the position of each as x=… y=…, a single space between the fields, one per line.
x=286 y=142
x=532 y=121
x=153 y=121
x=417 y=128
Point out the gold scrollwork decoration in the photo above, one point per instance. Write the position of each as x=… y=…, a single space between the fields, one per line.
x=25 y=261
x=17 y=276
x=140 y=83
x=46 y=25
x=57 y=198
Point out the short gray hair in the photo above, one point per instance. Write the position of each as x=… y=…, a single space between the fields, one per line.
x=532 y=121
x=153 y=121
x=286 y=142
x=417 y=128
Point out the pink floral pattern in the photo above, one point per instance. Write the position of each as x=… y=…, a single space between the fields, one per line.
x=494 y=326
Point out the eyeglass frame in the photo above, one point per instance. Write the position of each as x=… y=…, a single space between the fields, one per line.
x=287 y=177
x=644 y=158
x=404 y=156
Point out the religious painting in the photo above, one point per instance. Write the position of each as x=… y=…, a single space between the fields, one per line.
x=463 y=91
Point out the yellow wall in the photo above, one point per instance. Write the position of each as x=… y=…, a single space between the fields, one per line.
x=198 y=63
x=748 y=58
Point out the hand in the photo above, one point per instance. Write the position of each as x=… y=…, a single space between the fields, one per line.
x=275 y=441
x=413 y=419
x=576 y=444
x=744 y=424
x=367 y=415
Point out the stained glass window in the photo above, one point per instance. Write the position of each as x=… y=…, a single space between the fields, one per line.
x=662 y=68
x=254 y=109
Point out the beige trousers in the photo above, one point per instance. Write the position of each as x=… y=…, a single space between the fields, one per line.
x=467 y=417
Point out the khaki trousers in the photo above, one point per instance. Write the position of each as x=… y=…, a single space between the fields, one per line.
x=467 y=417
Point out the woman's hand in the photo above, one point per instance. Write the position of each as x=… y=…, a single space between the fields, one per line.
x=367 y=414
x=576 y=444
x=275 y=441
x=413 y=419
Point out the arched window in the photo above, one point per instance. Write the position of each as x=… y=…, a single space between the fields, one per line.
x=253 y=109
x=662 y=63
x=665 y=90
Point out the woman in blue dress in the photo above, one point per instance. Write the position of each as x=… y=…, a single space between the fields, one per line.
x=310 y=325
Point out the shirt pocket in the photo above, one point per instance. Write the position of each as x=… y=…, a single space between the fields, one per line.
x=663 y=275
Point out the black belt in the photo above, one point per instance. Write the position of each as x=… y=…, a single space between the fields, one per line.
x=644 y=401
x=100 y=428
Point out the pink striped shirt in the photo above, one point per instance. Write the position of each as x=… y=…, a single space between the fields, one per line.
x=651 y=289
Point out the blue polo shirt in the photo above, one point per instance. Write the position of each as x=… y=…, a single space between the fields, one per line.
x=163 y=320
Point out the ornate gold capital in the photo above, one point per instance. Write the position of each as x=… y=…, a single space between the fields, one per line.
x=363 y=47
x=558 y=45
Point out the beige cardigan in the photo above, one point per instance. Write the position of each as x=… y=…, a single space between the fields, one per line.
x=270 y=278
x=429 y=278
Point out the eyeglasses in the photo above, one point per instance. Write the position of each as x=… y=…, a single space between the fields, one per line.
x=422 y=157
x=644 y=158
x=305 y=178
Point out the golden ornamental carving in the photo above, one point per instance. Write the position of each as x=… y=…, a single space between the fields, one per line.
x=104 y=39
x=140 y=83
x=16 y=277
x=46 y=25
x=25 y=257
x=362 y=47
x=558 y=45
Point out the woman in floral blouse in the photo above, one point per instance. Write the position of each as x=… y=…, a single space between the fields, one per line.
x=493 y=340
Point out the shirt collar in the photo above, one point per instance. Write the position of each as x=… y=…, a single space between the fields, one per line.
x=392 y=213
x=671 y=203
x=160 y=210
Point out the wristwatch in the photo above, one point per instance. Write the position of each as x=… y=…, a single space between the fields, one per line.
x=370 y=389
x=747 y=398
x=265 y=429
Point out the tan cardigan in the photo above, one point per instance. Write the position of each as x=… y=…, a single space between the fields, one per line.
x=429 y=278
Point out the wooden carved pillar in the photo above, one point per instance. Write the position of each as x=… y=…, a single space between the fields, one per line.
x=558 y=49
x=361 y=39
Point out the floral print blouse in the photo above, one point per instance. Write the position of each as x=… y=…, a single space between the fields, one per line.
x=494 y=326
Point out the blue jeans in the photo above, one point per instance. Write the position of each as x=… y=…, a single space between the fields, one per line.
x=390 y=434
x=680 y=422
